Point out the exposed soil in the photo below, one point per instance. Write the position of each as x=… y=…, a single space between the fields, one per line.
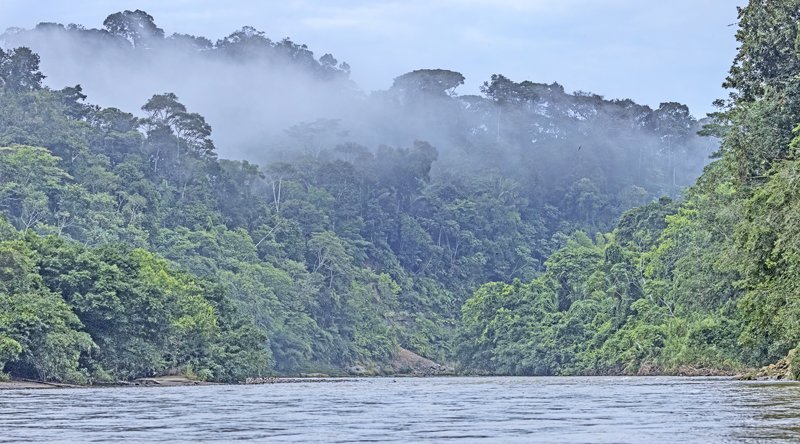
x=412 y=364
x=13 y=385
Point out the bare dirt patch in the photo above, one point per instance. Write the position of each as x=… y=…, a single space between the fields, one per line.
x=410 y=363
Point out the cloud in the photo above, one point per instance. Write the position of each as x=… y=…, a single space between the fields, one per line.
x=648 y=51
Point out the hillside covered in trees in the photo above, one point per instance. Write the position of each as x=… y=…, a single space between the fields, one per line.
x=453 y=226
x=711 y=280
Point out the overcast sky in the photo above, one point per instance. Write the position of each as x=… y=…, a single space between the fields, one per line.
x=649 y=51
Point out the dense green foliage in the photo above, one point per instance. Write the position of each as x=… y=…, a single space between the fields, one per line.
x=131 y=249
x=710 y=281
x=96 y=314
x=658 y=291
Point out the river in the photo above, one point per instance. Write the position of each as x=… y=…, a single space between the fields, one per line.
x=506 y=410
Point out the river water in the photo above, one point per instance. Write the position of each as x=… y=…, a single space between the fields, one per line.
x=506 y=410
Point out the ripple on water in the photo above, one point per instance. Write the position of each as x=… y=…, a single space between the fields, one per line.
x=579 y=409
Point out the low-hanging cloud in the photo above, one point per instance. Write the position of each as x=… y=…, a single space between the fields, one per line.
x=647 y=51
x=270 y=100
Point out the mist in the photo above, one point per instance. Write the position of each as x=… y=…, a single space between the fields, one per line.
x=248 y=101
x=270 y=100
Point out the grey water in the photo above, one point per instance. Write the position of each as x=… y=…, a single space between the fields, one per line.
x=507 y=410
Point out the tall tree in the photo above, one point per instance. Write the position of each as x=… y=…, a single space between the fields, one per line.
x=138 y=27
x=19 y=70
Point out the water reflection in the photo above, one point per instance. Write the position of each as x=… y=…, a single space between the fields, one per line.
x=414 y=410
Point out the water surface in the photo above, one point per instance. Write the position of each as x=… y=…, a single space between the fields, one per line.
x=507 y=410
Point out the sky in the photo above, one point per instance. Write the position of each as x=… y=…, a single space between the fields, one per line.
x=649 y=51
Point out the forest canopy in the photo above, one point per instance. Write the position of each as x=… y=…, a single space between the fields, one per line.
x=526 y=230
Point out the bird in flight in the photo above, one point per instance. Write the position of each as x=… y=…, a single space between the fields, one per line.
x=579 y=148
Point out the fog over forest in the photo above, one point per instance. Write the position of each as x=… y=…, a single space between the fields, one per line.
x=252 y=87
x=265 y=215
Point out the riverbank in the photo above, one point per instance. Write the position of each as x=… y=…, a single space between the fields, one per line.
x=17 y=385
x=780 y=370
x=162 y=381
x=172 y=381
x=409 y=364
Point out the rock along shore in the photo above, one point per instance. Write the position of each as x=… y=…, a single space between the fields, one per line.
x=250 y=381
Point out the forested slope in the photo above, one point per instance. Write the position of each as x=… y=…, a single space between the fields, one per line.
x=709 y=281
x=132 y=249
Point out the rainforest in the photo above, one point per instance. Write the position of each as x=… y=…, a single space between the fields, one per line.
x=523 y=231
